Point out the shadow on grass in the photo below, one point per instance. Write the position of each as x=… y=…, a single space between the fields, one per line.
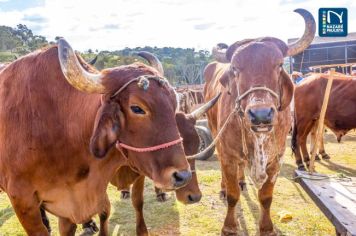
x=288 y=173
x=255 y=211
x=338 y=168
x=6 y=214
x=162 y=218
x=254 y=208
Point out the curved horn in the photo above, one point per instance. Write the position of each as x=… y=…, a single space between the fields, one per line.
x=92 y=62
x=219 y=52
x=203 y=109
x=203 y=153
x=75 y=74
x=308 y=36
x=152 y=60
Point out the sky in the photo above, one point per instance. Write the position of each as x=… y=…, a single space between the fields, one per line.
x=200 y=24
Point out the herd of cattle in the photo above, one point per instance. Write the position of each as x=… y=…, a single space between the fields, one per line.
x=69 y=130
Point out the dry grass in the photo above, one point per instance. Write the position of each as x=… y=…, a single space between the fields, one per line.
x=206 y=217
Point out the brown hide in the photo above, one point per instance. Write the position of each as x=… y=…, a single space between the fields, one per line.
x=253 y=63
x=46 y=126
x=308 y=99
x=125 y=176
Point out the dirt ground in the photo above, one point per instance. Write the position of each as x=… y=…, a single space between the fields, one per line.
x=207 y=216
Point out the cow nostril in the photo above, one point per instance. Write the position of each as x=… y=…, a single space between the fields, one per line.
x=193 y=198
x=177 y=177
x=250 y=113
x=269 y=116
x=181 y=178
x=252 y=117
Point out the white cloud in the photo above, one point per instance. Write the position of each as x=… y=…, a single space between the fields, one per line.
x=114 y=24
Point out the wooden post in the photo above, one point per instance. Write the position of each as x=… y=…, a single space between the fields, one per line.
x=319 y=131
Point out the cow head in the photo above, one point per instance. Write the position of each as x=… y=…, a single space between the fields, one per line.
x=191 y=192
x=138 y=109
x=261 y=87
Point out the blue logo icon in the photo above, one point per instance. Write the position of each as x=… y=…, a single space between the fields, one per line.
x=332 y=22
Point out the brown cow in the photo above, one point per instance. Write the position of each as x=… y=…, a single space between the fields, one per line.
x=339 y=117
x=254 y=106
x=48 y=137
x=188 y=194
x=125 y=177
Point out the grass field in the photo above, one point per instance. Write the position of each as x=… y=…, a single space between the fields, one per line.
x=206 y=217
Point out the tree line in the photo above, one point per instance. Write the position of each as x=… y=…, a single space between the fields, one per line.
x=181 y=65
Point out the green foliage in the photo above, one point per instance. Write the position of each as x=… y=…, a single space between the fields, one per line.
x=181 y=65
x=19 y=41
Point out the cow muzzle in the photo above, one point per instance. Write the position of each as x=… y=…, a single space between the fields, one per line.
x=261 y=118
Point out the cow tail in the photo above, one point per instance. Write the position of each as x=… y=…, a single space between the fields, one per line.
x=294 y=134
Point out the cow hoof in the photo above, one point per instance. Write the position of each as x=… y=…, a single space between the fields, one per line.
x=325 y=156
x=301 y=167
x=243 y=185
x=222 y=195
x=125 y=194
x=317 y=158
x=161 y=197
x=229 y=232
x=89 y=228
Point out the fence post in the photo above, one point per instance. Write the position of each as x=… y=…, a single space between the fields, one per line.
x=319 y=131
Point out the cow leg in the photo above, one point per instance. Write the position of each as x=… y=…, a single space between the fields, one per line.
x=322 y=152
x=27 y=208
x=298 y=154
x=312 y=141
x=303 y=147
x=242 y=181
x=137 y=202
x=45 y=219
x=160 y=195
x=302 y=140
x=89 y=228
x=125 y=193
x=104 y=218
x=230 y=173
x=265 y=198
x=222 y=193
x=66 y=227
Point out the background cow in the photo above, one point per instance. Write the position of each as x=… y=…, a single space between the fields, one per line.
x=187 y=194
x=339 y=117
x=48 y=137
x=254 y=106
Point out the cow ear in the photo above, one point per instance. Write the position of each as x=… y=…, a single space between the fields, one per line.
x=287 y=90
x=106 y=129
x=226 y=79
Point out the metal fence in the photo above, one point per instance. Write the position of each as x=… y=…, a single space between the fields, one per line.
x=324 y=55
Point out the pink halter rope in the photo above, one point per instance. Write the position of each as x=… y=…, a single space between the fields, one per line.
x=149 y=149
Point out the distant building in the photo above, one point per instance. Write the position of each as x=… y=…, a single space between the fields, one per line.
x=326 y=51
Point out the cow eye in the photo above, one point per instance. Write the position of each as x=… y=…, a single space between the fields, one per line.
x=137 y=110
